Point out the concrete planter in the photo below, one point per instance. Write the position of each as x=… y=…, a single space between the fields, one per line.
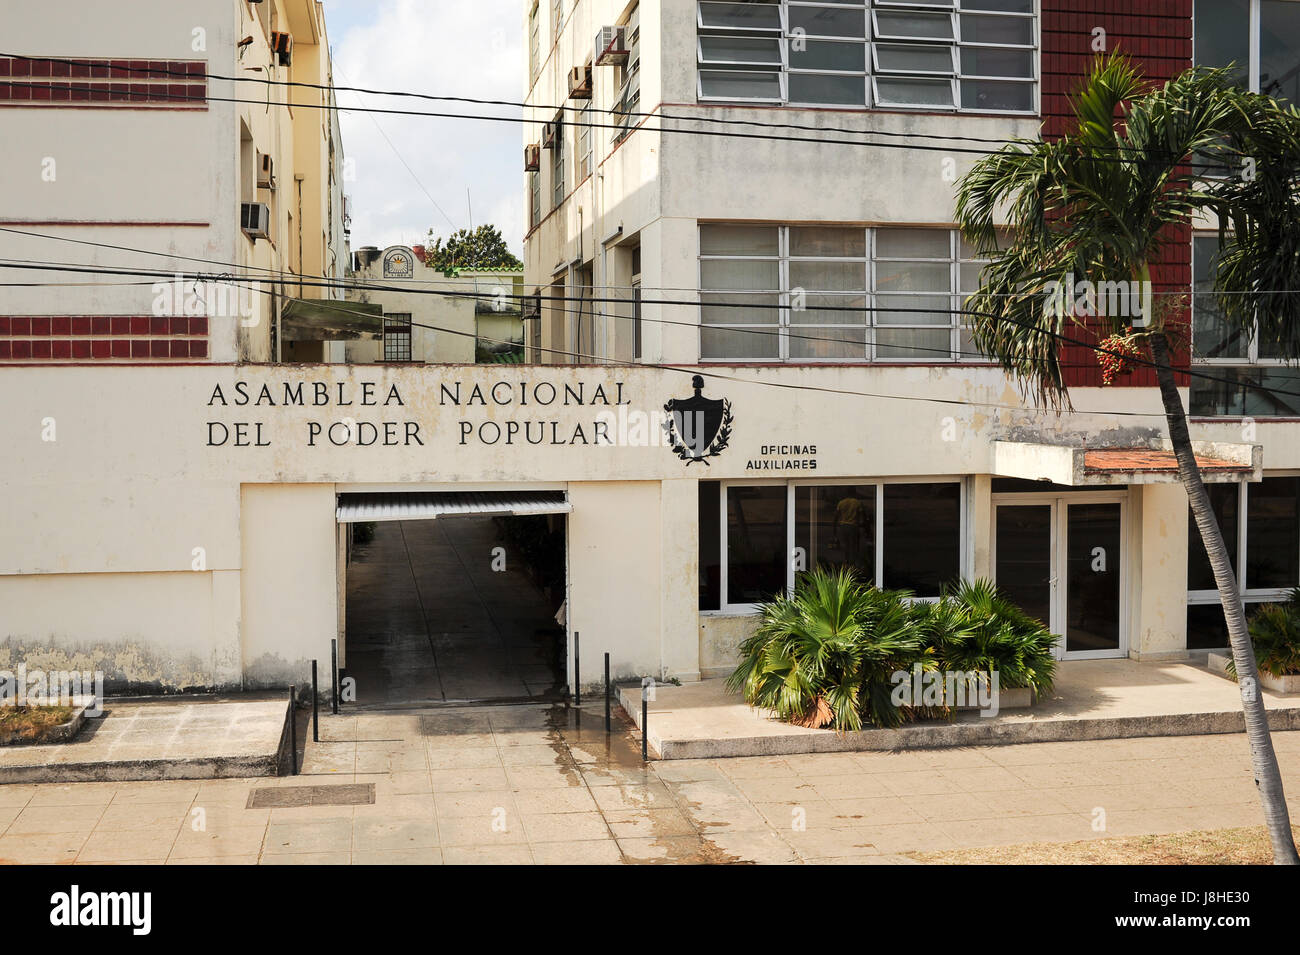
x=1218 y=662
x=50 y=734
x=1020 y=698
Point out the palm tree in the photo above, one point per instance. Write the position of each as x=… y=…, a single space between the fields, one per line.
x=1099 y=203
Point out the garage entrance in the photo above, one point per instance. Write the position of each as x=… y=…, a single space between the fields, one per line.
x=453 y=597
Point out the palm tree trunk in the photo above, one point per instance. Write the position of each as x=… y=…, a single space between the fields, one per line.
x=1268 y=777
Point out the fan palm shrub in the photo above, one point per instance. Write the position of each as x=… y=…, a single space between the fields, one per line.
x=823 y=655
x=1275 y=633
x=973 y=627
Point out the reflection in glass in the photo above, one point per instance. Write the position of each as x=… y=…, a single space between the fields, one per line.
x=1023 y=568
x=836 y=527
x=756 y=542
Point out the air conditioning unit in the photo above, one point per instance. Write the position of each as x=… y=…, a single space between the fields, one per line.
x=610 y=48
x=580 y=82
x=532 y=158
x=282 y=47
x=265 y=171
x=548 y=135
x=255 y=219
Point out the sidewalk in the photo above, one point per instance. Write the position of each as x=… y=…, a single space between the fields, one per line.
x=536 y=785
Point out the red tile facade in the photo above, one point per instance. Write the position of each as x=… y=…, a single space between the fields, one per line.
x=102 y=338
x=103 y=84
x=1159 y=41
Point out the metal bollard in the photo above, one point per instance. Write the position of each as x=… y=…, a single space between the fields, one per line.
x=647 y=688
x=577 y=666
x=315 y=706
x=607 y=723
x=293 y=732
x=334 y=677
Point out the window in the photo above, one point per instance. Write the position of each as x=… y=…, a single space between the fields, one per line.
x=584 y=143
x=557 y=164
x=756 y=538
x=911 y=54
x=637 y=351
x=1266 y=62
x=1261 y=530
x=534 y=199
x=1242 y=368
x=397 y=336
x=629 y=78
x=557 y=17
x=818 y=293
x=534 y=42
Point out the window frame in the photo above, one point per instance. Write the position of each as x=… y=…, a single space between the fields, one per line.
x=791 y=533
x=784 y=326
x=873 y=39
x=1254 y=39
x=628 y=101
x=1248 y=594
x=402 y=330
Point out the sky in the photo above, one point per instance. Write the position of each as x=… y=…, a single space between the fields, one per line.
x=443 y=47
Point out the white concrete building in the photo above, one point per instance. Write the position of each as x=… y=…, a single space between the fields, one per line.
x=188 y=524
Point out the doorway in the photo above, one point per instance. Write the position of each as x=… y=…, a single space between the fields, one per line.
x=1062 y=559
x=460 y=608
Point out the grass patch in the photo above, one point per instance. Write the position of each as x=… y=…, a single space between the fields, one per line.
x=29 y=722
x=1248 y=846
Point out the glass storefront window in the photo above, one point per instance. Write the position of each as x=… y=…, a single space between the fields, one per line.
x=835 y=525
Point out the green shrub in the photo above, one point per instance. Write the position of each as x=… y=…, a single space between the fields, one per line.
x=825 y=655
x=973 y=627
x=1275 y=634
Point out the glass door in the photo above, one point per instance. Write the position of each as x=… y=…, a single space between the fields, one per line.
x=1061 y=559
x=1093 y=541
x=1024 y=562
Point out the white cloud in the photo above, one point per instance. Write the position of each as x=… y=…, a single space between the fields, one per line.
x=446 y=48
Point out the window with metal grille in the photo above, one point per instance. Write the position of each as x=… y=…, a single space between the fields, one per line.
x=397 y=336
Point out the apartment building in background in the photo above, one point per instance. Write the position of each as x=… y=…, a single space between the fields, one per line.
x=206 y=165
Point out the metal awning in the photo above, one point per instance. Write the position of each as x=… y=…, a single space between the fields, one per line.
x=415 y=505
x=328 y=320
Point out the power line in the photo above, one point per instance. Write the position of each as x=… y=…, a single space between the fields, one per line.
x=726 y=134
x=321 y=282
x=475 y=101
x=701 y=370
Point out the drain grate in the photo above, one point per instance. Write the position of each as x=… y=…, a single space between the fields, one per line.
x=284 y=797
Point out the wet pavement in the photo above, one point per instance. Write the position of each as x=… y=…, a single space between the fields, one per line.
x=429 y=620
x=539 y=784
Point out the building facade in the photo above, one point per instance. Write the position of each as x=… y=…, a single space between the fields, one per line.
x=697 y=406
x=719 y=185
x=455 y=316
x=144 y=143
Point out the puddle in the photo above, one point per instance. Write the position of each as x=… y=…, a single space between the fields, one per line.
x=612 y=760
